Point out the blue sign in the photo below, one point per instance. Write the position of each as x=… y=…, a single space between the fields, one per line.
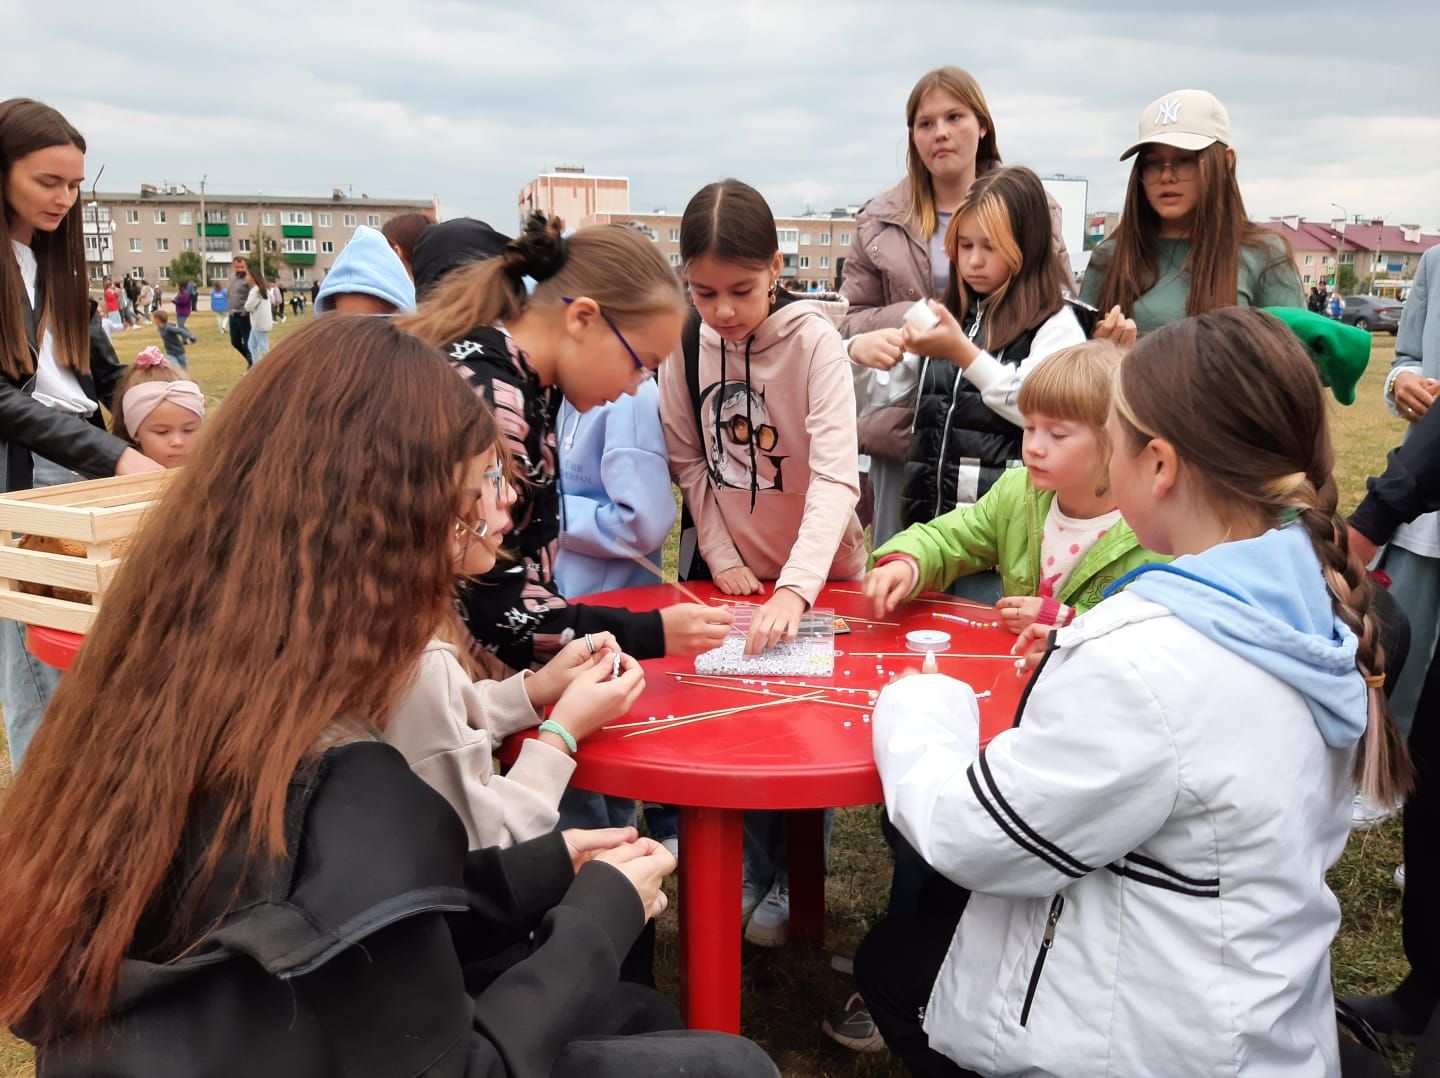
x=1394 y=267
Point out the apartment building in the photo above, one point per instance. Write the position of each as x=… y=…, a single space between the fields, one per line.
x=573 y=195
x=141 y=233
x=1387 y=254
x=813 y=246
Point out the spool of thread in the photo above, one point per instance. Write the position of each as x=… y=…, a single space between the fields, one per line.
x=919 y=317
x=927 y=640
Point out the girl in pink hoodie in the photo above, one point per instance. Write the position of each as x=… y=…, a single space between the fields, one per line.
x=762 y=445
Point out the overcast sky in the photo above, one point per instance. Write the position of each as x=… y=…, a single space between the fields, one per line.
x=467 y=101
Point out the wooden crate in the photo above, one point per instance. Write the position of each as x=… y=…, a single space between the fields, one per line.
x=95 y=513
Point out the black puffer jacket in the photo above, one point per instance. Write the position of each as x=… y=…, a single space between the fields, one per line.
x=959 y=445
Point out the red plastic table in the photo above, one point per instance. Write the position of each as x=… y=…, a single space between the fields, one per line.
x=806 y=756
x=53 y=646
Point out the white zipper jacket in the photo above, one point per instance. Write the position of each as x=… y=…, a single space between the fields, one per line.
x=1148 y=851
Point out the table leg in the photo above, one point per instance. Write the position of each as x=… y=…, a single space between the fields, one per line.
x=807 y=876
x=710 y=917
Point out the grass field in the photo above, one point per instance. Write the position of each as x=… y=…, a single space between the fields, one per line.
x=787 y=993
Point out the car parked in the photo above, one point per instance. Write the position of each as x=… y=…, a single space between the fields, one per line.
x=1373 y=313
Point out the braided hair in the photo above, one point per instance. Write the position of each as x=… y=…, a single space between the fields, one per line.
x=1235 y=390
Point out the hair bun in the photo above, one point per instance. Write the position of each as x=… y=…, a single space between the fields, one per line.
x=539 y=251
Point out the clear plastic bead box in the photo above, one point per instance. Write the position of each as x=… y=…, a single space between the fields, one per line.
x=811 y=655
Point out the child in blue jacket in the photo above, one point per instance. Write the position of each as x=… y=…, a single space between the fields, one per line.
x=615 y=501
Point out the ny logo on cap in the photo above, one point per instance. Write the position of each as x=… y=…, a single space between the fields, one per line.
x=1169 y=112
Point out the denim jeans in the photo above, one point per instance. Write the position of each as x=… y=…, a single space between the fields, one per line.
x=26 y=684
x=259 y=345
x=582 y=808
x=766 y=849
x=240 y=334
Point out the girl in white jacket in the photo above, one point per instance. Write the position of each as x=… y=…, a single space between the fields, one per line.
x=1147 y=847
x=257 y=303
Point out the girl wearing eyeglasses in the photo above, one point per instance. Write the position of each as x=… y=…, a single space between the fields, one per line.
x=762 y=444
x=1184 y=244
x=449 y=724
x=606 y=309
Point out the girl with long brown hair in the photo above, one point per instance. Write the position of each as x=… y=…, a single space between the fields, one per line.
x=1147 y=846
x=1184 y=244
x=605 y=311
x=898 y=258
x=1005 y=311
x=54 y=373
x=246 y=880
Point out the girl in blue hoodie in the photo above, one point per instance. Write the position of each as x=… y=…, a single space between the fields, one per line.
x=1147 y=850
x=615 y=502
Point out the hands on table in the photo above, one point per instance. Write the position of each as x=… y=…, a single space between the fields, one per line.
x=778 y=617
x=581 y=685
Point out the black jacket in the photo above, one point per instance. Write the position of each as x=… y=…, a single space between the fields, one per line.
x=957 y=443
x=82 y=445
x=1409 y=487
x=516 y=610
x=371 y=952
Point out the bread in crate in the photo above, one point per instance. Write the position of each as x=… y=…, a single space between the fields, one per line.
x=60 y=546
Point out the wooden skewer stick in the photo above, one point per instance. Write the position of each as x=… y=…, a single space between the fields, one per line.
x=941 y=602
x=761 y=692
x=698 y=714
x=656 y=727
x=641 y=560
x=921 y=655
x=846 y=617
x=695 y=679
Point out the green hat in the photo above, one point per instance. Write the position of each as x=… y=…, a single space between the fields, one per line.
x=1340 y=352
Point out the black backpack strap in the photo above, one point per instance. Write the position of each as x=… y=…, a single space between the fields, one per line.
x=692 y=565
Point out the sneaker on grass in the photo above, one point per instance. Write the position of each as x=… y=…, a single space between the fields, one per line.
x=771 y=920
x=854 y=1028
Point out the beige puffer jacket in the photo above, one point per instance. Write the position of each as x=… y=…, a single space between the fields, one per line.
x=887 y=270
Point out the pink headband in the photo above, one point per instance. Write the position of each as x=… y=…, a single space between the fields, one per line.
x=141 y=400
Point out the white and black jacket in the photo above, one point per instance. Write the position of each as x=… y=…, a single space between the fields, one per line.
x=1147 y=848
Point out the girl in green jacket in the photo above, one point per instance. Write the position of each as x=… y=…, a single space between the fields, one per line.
x=1050 y=529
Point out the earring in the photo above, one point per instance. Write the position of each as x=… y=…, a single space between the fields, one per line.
x=774 y=289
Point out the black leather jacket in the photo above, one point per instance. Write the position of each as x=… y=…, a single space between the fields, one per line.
x=80 y=444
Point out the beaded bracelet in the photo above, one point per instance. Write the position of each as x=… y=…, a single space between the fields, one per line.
x=550 y=726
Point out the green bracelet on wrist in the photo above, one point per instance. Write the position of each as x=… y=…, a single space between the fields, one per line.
x=550 y=726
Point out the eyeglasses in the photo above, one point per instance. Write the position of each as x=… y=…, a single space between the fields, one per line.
x=738 y=427
x=466 y=531
x=644 y=371
x=498 y=477
x=1186 y=169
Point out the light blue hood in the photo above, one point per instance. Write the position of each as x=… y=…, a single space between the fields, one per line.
x=1265 y=599
x=368 y=265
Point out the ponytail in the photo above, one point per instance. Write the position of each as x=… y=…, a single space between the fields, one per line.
x=615 y=266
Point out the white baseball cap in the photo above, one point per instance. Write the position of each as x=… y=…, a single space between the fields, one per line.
x=1185 y=119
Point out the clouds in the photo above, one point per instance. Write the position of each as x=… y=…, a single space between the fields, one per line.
x=470 y=100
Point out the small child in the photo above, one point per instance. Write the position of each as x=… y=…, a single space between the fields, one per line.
x=1062 y=497
x=174 y=338
x=157 y=411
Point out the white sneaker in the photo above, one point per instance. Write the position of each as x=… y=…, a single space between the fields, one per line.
x=1365 y=814
x=1400 y=877
x=751 y=894
x=769 y=924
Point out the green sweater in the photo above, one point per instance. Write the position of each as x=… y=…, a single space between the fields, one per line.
x=1002 y=531
x=1267 y=279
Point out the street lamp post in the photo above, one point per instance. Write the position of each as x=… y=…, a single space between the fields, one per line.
x=1344 y=220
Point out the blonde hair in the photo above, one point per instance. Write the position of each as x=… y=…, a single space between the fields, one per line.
x=960 y=84
x=617 y=267
x=1075 y=384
